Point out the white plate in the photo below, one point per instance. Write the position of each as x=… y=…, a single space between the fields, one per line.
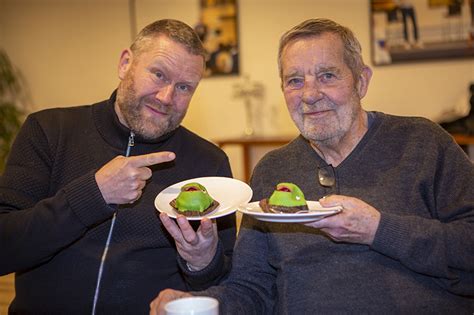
x=229 y=192
x=316 y=212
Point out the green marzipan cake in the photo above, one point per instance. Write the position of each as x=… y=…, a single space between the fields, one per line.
x=194 y=200
x=286 y=198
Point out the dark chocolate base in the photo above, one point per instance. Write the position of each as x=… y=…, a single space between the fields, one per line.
x=279 y=209
x=193 y=213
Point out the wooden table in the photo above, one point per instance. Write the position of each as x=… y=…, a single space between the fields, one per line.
x=247 y=144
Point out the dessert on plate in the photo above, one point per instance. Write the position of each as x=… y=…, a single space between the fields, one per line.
x=286 y=198
x=194 y=201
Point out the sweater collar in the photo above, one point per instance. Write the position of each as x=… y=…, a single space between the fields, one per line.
x=113 y=131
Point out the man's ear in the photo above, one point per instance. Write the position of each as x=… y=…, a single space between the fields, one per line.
x=364 y=80
x=125 y=63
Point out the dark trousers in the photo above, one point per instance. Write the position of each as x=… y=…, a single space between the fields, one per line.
x=409 y=13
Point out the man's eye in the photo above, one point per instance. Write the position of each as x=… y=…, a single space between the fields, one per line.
x=183 y=87
x=159 y=75
x=327 y=76
x=295 y=83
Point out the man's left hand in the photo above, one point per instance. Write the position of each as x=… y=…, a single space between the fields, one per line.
x=356 y=223
x=196 y=247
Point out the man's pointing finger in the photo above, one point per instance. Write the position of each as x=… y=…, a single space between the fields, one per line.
x=152 y=158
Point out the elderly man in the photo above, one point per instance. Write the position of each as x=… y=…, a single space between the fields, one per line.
x=403 y=242
x=77 y=218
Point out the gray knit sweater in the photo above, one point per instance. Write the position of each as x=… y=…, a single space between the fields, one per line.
x=422 y=258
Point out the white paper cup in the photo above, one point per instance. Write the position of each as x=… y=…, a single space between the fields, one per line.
x=196 y=305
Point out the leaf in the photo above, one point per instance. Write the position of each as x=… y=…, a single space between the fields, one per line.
x=10 y=98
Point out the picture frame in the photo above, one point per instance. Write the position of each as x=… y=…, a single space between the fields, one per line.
x=421 y=30
x=218 y=30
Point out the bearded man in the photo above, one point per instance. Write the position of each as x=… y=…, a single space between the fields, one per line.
x=77 y=218
x=402 y=242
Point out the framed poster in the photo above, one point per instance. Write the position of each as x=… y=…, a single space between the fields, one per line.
x=218 y=30
x=416 y=30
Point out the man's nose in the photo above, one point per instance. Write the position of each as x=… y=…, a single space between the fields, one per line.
x=311 y=92
x=165 y=94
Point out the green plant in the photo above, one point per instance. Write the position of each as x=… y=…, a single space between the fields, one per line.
x=11 y=105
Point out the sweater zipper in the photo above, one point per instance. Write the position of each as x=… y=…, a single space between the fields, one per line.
x=131 y=143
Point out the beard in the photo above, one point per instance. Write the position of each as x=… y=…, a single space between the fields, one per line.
x=332 y=129
x=133 y=110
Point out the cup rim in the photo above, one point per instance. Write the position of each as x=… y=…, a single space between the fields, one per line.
x=213 y=302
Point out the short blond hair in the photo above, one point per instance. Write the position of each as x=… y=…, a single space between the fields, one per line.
x=175 y=30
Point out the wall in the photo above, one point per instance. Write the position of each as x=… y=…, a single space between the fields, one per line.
x=68 y=51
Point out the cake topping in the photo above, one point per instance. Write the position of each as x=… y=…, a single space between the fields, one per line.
x=191 y=188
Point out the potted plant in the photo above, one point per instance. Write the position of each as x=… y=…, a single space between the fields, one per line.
x=12 y=105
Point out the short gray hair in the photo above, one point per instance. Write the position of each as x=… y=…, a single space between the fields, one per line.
x=316 y=27
x=175 y=30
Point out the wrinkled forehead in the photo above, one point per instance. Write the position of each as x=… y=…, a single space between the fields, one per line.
x=326 y=48
x=308 y=46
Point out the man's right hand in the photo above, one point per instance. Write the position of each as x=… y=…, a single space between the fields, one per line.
x=122 y=179
x=157 y=306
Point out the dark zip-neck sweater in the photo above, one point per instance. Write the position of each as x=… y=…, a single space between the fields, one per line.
x=54 y=221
